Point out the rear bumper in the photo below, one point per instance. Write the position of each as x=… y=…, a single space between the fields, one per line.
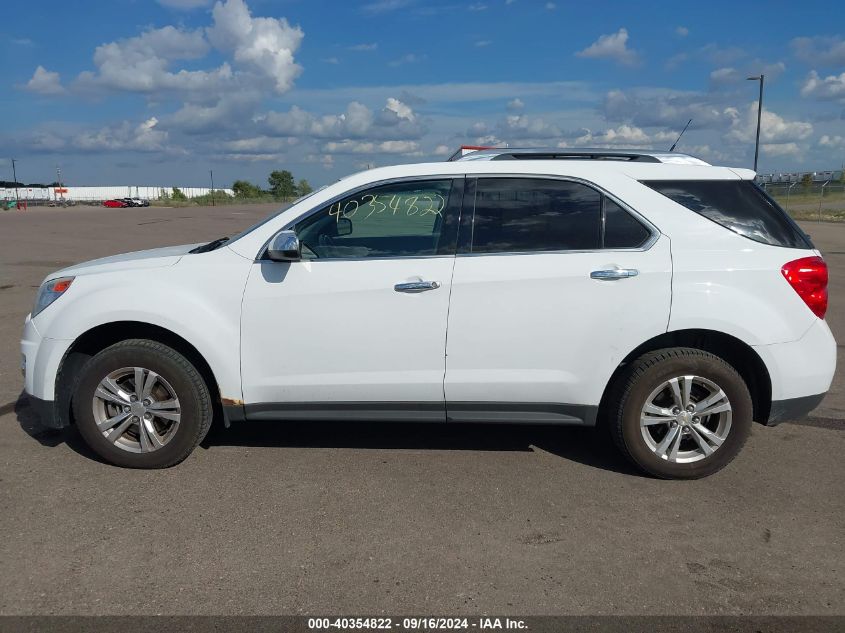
x=793 y=408
x=801 y=370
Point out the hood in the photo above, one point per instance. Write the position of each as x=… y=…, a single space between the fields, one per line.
x=153 y=258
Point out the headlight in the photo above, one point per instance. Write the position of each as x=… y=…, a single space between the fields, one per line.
x=49 y=292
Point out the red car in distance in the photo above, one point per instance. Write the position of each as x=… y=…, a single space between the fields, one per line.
x=115 y=203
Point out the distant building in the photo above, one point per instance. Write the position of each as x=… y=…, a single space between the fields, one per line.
x=96 y=194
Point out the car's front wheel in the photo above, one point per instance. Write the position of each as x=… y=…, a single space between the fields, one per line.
x=680 y=413
x=141 y=404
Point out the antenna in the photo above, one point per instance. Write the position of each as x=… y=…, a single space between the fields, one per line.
x=672 y=149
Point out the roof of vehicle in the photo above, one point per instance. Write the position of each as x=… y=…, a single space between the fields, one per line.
x=581 y=153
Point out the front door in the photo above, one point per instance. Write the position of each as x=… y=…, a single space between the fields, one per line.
x=558 y=284
x=357 y=329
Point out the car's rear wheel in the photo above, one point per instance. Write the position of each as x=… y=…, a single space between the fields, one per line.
x=680 y=413
x=141 y=404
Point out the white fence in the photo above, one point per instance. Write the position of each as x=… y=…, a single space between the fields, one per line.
x=102 y=193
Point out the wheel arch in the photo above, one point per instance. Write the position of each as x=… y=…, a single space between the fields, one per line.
x=98 y=338
x=736 y=352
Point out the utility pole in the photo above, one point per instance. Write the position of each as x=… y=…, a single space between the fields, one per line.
x=15 y=178
x=761 y=78
x=211 y=174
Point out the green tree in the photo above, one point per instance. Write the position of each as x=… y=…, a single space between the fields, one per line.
x=178 y=194
x=281 y=184
x=806 y=181
x=303 y=188
x=245 y=189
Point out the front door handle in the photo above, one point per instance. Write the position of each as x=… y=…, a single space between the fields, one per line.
x=416 y=286
x=613 y=274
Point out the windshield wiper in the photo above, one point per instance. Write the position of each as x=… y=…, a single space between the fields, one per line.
x=210 y=246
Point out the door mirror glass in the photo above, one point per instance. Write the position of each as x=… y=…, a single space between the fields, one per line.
x=285 y=247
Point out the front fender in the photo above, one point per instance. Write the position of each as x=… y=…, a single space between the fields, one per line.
x=198 y=299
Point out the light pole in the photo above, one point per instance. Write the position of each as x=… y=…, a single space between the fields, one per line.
x=761 y=78
x=211 y=175
x=15 y=178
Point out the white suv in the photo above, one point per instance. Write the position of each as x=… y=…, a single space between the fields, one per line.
x=667 y=300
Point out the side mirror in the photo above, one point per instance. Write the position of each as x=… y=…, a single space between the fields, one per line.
x=285 y=247
x=344 y=227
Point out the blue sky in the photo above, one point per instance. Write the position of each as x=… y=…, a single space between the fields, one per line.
x=145 y=92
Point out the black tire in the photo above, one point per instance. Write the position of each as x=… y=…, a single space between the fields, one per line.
x=190 y=388
x=629 y=393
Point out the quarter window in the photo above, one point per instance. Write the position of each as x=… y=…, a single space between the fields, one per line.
x=397 y=220
x=738 y=205
x=621 y=229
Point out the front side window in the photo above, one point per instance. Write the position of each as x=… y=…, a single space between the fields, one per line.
x=407 y=219
x=515 y=215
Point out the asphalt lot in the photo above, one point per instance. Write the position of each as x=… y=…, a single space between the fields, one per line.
x=374 y=518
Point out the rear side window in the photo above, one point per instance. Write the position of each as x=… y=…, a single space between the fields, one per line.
x=515 y=215
x=738 y=205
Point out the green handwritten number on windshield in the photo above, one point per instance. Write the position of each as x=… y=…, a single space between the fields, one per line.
x=413 y=209
x=334 y=211
x=350 y=214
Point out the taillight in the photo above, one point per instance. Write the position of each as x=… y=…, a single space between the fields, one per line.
x=808 y=277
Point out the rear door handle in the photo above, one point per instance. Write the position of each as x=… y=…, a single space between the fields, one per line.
x=613 y=274
x=416 y=286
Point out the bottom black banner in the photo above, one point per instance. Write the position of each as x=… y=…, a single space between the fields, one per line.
x=312 y=624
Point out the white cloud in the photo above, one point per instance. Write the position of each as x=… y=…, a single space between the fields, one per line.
x=396 y=121
x=515 y=105
x=820 y=50
x=781 y=149
x=550 y=6
x=141 y=64
x=730 y=75
x=409 y=58
x=402 y=110
x=832 y=141
x=681 y=31
x=366 y=147
x=614 y=47
x=483 y=43
x=831 y=87
x=264 y=45
x=668 y=108
x=521 y=126
x=442 y=150
x=45 y=82
x=621 y=136
x=143 y=137
x=774 y=129
x=364 y=47
x=477 y=6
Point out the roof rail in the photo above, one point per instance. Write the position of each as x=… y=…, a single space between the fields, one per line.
x=624 y=155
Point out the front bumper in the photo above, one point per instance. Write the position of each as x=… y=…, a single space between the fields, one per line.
x=41 y=358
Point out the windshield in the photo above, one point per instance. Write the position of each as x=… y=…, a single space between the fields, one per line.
x=272 y=216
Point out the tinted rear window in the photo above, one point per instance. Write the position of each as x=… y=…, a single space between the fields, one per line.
x=738 y=205
x=515 y=215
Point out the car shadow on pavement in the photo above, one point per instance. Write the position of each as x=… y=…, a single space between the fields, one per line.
x=587 y=446
x=583 y=445
x=31 y=425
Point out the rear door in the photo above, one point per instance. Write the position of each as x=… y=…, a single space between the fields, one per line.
x=554 y=283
